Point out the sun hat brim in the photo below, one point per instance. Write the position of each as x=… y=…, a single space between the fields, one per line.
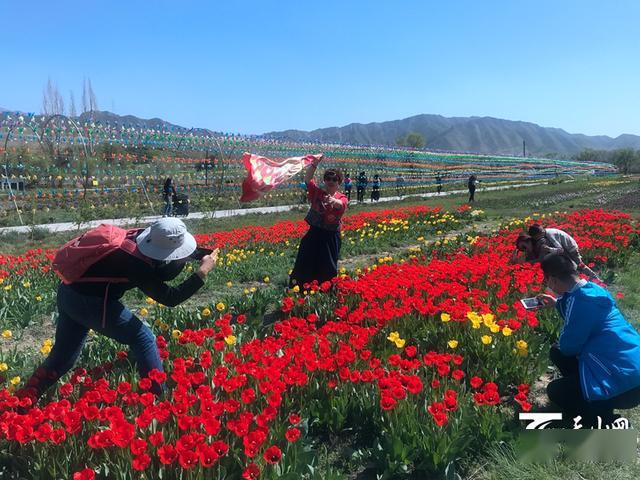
x=153 y=251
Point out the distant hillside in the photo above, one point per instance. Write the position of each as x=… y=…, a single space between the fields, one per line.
x=460 y=134
x=467 y=134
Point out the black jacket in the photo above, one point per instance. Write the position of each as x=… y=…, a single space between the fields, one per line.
x=148 y=277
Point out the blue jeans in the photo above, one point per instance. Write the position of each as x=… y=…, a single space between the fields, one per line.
x=168 y=207
x=79 y=313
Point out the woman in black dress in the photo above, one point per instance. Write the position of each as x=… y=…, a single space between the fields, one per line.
x=320 y=247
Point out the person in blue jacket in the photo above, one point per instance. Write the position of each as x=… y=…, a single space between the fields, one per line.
x=598 y=351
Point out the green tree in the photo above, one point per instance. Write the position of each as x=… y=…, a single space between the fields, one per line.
x=415 y=140
x=412 y=140
x=626 y=159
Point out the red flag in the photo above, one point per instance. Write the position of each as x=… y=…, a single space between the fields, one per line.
x=263 y=174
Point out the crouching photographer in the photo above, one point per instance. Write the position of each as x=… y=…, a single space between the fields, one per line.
x=598 y=351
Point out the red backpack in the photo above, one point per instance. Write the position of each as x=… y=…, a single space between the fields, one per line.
x=76 y=257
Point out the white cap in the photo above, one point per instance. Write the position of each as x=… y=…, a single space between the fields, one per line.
x=166 y=239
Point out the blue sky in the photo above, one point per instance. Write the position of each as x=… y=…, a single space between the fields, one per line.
x=257 y=66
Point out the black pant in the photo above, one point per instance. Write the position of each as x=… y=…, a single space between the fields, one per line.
x=566 y=392
x=360 y=194
x=317 y=257
x=472 y=194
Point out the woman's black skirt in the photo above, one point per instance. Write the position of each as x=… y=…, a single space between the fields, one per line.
x=317 y=257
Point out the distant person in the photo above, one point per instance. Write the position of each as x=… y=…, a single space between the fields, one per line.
x=471 y=185
x=168 y=192
x=399 y=185
x=598 y=351
x=558 y=241
x=319 y=249
x=348 y=185
x=303 y=192
x=438 y=183
x=375 y=188
x=361 y=185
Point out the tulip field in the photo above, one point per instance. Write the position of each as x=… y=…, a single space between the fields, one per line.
x=410 y=364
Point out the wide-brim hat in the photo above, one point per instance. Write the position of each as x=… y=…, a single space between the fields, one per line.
x=166 y=239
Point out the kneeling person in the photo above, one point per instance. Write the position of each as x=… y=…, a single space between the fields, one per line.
x=598 y=351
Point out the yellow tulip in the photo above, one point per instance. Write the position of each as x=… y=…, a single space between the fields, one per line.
x=393 y=336
x=15 y=380
x=495 y=328
x=26 y=284
x=38 y=298
x=229 y=284
x=176 y=334
x=266 y=279
x=4 y=367
x=296 y=288
x=45 y=349
x=150 y=301
x=452 y=343
x=220 y=306
x=7 y=334
x=486 y=339
x=488 y=318
x=400 y=342
x=445 y=317
x=230 y=339
x=506 y=331
x=144 y=312
x=206 y=312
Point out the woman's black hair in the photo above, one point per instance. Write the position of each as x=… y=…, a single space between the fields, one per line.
x=523 y=238
x=333 y=172
x=559 y=266
x=167 y=182
x=535 y=229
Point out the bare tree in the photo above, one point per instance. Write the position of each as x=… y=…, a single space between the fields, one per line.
x=52 y=101
x=53 y=104
x=72 y=104
x=85 y=96
x=93 y=102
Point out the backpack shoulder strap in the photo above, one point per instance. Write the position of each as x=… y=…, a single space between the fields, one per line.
x=130 y=246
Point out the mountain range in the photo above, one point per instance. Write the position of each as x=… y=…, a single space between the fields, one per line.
x=460 y=134
x=465 y=134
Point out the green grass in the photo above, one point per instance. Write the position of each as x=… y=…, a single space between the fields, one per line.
x=518 y=202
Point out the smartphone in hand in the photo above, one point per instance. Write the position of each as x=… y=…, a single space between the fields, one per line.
x=531 y=303
x=199 y=253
